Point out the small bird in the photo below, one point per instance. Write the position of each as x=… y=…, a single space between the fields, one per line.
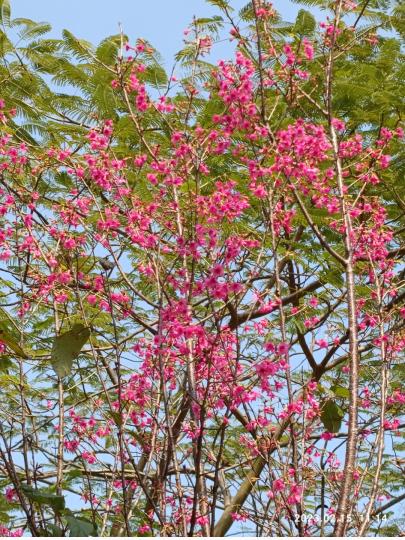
x=106 y=264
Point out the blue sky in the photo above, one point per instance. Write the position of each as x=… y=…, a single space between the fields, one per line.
x=159 y=21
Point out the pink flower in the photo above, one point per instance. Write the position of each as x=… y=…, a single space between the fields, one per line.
x=295 y=494
x=202 y=520
x=61 y=298
x=278 y=485
x=283 y=348
x=71 y=446
x=339 y=125
x=90 y=458
x=312 y=321
x=4 y=531
x=217 y=270
x=11 y=495
x=308 y=49
x=238 y=517
x=139 y=161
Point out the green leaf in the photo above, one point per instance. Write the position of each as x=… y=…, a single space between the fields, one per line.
x=5 y=363
x=331 y=416
x=209 y=24
x=57 y=502
x=305 y=23
x=117 y=417
x=67 y=347
x=333 y=276
x=310 y=2
x=156 y=75
x=5 y=11
x=247 y=13
x=51 y=530
x=340 y=391
x=35 y=30
x=221 y=4
x=75 y=473
x=80 y=527
x=63 y=179
x=108 y=49
x=5 y=44
x=10 y=338
x=79 y=47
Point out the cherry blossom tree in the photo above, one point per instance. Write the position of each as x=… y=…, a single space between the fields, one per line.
x=202 y=314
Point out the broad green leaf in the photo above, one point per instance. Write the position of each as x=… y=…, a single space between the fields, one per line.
x=340 y=391
x=51 y=531
x=67 y=347
x=331 y=416
x=9 y=337
x=80 y=527
x=63 y=179
x=57 y=502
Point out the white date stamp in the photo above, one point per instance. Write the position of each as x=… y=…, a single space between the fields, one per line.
x=317 y=519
